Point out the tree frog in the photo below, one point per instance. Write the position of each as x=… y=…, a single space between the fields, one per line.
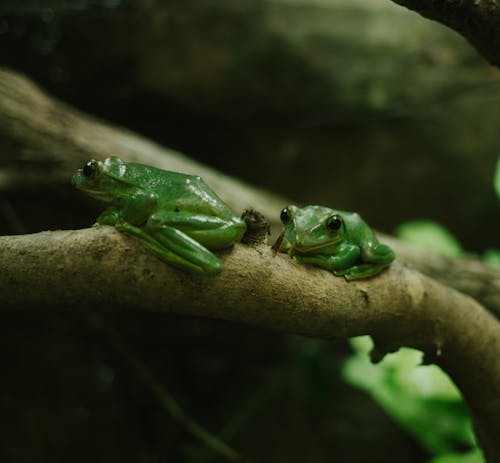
x=336 y=240
x=175 y=216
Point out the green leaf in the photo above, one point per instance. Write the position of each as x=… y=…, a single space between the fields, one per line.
x=474 y=456
x=430 y=236
x=496 y=178
x=492 y=257
x=422 y=399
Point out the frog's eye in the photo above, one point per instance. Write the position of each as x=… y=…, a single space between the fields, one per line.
x=333 y=223
x=285 y=216
x=90 y=169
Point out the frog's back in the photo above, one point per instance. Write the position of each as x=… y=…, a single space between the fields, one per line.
x=178 y=191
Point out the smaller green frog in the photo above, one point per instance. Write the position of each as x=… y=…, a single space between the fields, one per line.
x=336 y=240
x=175 y=216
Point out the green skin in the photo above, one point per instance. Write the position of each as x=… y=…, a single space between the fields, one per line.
x=175 y=216
x=338 y=241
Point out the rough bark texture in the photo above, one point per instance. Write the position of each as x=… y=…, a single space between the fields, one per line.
x=477 y=20
x=468 y=275
x=78 y=269
x=50 y=140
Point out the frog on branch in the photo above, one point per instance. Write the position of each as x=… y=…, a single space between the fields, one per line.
x=338 y=241
x=175 y=216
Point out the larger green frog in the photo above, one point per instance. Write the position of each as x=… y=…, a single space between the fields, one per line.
x=175 y=216
x=336 y=240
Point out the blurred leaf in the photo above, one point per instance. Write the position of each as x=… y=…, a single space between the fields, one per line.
x=430 y=236
x=422 y=399
x=474 y=456
x=496 y=178
x=492 y=257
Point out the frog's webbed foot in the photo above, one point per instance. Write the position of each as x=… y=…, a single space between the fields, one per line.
x=174 y=247
x=361 y=271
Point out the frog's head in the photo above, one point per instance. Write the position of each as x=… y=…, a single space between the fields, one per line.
x=103 y=180
x=311 y=229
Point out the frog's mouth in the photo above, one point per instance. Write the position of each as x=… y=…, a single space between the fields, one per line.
x=97 y=194
x=301 y=249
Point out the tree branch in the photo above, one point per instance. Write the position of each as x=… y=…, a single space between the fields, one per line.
x=477 y=20
x=100 y=267
x=43 y=141
x=467 y=274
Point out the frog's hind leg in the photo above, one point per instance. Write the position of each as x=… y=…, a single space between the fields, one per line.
x=361 y=271
x=378 y=253
x=211 y=231
x=174 y=247
x=377 y=257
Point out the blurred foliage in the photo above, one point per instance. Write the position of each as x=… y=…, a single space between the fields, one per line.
x=422 y=399
x=430 y=236
x=496 y=179
x=433 y=237
x=474 y=456
x=492 y=257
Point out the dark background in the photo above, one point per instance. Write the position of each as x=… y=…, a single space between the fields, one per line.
x=358 y=105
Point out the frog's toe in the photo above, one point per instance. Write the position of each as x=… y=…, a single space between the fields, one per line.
x=214 y=268
x=341 y=273
x=363 y=271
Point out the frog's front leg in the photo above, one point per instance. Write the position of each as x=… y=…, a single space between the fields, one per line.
x=134 y=209
x=346 y=256
x=109 y=217
x=174 y=247
x=137 y=207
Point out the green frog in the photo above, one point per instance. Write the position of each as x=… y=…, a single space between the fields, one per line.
x=175 y=216
x=339 y=241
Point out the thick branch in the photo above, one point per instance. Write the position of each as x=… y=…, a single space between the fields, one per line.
x=101 y=267
x=476 y=20
x=49 y=139
x=468 y=275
